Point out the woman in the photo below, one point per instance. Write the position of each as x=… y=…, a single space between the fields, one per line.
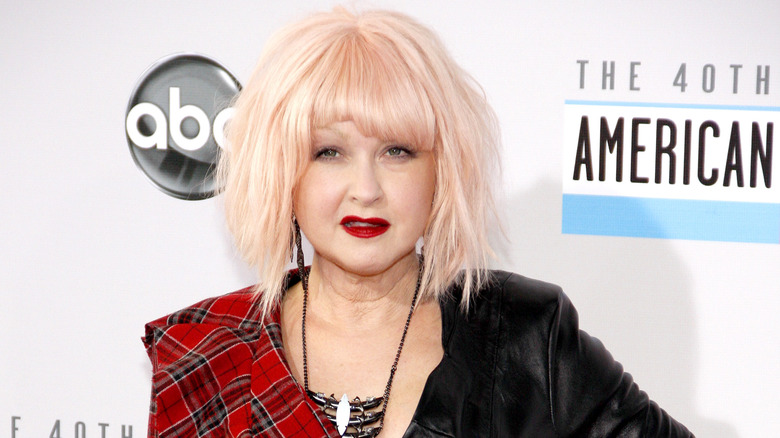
x=364 y=135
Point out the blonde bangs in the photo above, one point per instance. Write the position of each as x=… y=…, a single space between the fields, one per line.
x=366 y=80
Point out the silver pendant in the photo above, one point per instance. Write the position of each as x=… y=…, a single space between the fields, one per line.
x=360 y=414
x=342 y=414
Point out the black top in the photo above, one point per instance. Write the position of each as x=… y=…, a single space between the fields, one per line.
x=517 y=365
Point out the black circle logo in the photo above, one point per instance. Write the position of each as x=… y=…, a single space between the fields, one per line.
x=175 y=123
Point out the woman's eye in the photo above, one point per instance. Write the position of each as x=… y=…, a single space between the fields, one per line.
x=327 y=153
x=398 y=151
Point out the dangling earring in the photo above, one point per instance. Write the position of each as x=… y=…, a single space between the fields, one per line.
x=299 y=245
x=294 y=225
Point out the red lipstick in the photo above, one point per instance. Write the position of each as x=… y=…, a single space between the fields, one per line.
x=364 y=228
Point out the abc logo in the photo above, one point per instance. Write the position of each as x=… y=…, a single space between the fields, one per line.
x=175 y=123
x=177 y=114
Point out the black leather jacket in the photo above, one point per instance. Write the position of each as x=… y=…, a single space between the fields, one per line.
x=517 y=365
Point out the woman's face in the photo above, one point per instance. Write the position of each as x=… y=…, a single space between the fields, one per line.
x=363 y=202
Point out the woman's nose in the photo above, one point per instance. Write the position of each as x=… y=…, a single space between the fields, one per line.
x=365 y=188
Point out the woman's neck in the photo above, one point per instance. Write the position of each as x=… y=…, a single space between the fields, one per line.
x=344 y=298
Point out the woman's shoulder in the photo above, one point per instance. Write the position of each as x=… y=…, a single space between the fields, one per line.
x=235 y=309
x=519 y=308
x=210 y=360
x=518 y=288
x=516 y=296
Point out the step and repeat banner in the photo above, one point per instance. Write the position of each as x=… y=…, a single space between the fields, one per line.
x=639 y=172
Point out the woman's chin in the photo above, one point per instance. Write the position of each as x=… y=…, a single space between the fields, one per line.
x=367 y=265
x=363 y=269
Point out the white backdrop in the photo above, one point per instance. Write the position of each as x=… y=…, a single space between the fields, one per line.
x=91 y=251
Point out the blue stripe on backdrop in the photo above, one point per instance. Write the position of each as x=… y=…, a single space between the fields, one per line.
x=671 y=218
x=672 y=105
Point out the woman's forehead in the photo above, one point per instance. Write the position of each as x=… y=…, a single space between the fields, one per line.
x=335 y=129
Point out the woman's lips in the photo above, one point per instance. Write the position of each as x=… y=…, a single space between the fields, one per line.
x=364 y=228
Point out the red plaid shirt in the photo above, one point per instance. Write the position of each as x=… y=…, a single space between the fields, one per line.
x=221 y=372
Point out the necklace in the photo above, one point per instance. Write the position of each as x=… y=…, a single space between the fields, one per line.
x=356 y=413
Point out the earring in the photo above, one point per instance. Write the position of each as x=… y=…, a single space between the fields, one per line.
x=299 y=245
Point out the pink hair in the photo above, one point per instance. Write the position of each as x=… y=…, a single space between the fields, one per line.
x=394 y=79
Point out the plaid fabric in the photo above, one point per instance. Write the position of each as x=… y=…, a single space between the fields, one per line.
x=221 y=372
